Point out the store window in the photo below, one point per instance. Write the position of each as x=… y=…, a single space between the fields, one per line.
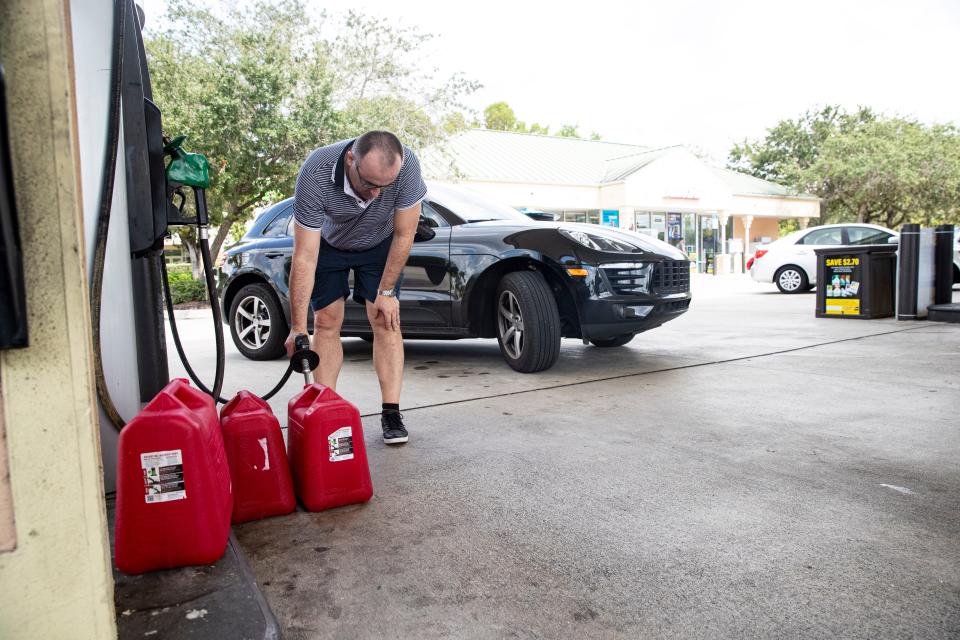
x=641 y=220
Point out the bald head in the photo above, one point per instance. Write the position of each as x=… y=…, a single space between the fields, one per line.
x=375 y=160
x=388 y=147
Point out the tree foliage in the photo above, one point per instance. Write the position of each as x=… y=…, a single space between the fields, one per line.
x=379 y=82
x=499 y=116
x=866 y=167
x=257 y=86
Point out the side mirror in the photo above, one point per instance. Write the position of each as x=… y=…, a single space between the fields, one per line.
x=425 y=230
x=893 y=240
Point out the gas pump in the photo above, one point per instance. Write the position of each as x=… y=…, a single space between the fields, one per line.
x=161 y=178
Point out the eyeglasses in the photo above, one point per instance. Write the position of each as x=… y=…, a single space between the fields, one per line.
x=366 y=184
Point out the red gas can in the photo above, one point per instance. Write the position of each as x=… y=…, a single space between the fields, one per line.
x=327 y=456
x=173 y=484
x=258 y=461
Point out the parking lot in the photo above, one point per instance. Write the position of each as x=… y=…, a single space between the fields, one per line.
x=746 y=470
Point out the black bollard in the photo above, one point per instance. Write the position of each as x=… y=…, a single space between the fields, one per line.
x=909 y=260
x=943 y=289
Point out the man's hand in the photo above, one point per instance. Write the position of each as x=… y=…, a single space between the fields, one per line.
x=389 y=308
x=289 y=342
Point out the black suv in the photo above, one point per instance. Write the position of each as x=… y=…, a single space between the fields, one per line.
x=489 y=272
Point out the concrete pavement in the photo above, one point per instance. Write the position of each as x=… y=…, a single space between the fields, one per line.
x=747 y=470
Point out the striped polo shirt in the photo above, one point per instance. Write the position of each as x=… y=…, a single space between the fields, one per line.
x=325 y=202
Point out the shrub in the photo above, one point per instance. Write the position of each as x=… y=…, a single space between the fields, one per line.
x=187 y=290
x=179 y=273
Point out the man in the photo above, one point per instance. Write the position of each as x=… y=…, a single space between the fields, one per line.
x=357 y=205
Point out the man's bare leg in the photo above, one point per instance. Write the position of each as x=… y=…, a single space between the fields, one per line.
x=326 y=342
x=387 y=357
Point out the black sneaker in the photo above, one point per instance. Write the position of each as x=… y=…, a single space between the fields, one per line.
x=393 y=430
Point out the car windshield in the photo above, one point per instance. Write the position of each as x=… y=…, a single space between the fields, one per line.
x=471 y=206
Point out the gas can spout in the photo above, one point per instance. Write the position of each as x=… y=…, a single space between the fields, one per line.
x=304 y=359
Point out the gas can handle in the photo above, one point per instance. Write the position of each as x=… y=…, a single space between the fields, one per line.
x=304 y=359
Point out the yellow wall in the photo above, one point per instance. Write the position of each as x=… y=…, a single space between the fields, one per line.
x=57 y=582
x=760 y=228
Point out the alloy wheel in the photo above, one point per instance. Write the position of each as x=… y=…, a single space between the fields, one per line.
x=252 y=322
x=510 y=324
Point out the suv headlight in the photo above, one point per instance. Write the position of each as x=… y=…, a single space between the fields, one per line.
x=598 y=242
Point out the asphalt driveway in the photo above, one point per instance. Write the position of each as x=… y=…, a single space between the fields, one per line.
x=747 y=470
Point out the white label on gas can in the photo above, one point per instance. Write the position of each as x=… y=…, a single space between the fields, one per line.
x=266 y=454
x=163 y=476
x=341 y=444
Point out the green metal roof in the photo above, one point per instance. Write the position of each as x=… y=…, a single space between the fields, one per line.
x=745 y=184
x=502 y=156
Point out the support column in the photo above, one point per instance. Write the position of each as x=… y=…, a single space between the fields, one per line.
x=57 y=583
x=723 y=258
x=747 y=223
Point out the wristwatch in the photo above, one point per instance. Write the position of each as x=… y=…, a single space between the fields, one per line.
x=388 y=293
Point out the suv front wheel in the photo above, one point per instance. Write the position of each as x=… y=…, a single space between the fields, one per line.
x=528 y=323
x=257 y=324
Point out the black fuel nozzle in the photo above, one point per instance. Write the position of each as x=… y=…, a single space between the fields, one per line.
x=304 y=359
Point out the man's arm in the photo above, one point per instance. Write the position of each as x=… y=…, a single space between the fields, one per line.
x=404 y=228
x=306 y=246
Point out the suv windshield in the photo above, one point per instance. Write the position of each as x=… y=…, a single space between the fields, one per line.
x=472 y=207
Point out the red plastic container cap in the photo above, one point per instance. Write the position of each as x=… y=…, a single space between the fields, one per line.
x=262 y=486
x=173 y=484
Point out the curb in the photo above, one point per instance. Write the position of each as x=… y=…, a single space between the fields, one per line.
x=192 y=314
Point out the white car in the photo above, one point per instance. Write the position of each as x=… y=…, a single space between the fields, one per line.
x=791 y=262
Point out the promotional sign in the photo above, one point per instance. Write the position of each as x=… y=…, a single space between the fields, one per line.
x=611 y=217
x=842 y=285
x=674 y=228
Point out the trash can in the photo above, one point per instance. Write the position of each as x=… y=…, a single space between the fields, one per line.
x=857 y=282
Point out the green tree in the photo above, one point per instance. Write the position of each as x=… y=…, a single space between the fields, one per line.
x=499 y=117
x=379 y=82
x=889 y=171
x=568 y=131
x=256 y=87
x=792 y=146
x=252 y=91
x=865 y=166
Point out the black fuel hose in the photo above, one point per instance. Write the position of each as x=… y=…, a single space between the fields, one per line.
x=100 y=250
x=215 y=308
x=218 y=319
x=103 y=216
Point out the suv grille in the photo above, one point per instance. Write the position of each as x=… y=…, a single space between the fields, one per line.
x=671 y=276
x=629 y=279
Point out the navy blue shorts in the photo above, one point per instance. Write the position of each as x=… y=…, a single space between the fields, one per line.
x=333 y=269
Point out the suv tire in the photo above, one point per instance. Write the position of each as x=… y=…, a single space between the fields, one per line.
x=257 y=324
x=527 y=321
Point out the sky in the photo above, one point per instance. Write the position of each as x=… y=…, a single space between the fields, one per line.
x=705 y=73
